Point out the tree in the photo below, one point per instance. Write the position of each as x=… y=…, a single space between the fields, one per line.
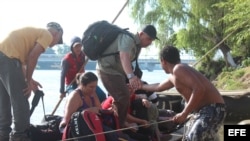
x=238 y=21
x=201 y=27
x=164 y=14
x=62 y=49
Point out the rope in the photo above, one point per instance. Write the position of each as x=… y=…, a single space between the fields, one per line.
x=117 y=130
x=217 y=45
x=106 y=132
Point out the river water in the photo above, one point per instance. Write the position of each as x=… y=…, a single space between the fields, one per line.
x=50 y=80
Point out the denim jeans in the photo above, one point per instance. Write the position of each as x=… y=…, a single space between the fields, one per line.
x=12 y=98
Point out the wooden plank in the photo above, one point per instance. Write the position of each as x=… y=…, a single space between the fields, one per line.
x=223 y=92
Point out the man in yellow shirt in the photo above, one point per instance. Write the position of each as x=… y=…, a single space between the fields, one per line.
x=19 y=53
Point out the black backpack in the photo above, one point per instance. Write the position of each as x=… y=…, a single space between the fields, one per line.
x=98 y=37
x=48 y=130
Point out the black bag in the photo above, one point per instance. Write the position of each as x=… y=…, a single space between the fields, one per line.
x=47 y=131
x=97 y=38
x=38 y=95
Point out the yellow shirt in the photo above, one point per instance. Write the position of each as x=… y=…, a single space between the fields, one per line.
x=20 y=42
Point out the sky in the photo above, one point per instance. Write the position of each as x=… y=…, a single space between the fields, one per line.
x=73 y=15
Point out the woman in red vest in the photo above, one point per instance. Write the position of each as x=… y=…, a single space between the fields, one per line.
x=72 y=64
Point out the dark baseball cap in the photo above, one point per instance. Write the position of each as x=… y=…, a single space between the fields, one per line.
x=151 y=31
x=75 y=40
x=56 y=26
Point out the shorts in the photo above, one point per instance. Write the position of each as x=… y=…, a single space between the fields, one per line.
x=205 y=123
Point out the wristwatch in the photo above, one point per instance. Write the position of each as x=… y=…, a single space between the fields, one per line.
x=130 y=75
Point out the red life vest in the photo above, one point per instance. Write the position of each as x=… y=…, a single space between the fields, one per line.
x=74 y=66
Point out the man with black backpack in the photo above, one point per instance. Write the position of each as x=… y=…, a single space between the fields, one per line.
x=115 y=69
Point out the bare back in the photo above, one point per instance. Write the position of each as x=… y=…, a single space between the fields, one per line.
x=192 y=84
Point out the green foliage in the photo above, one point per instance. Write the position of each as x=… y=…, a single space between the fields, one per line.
x=246 y=62
x=232 y=79
x=239 y=73
x=237 y=20
x=210 y=68
x=228 y=69
x=202 y=24
x=232 y=85
x=164 y=14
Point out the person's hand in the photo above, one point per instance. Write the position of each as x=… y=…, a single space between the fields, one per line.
x=146 y=103
x=132 y=126
x=141 y=85
x=62 y=124
x=144 y=123
x=135 y=83
x=32 y=85
x=35 y=85
x=180 y=118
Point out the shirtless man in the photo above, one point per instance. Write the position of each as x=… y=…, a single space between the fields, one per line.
x=202 y=99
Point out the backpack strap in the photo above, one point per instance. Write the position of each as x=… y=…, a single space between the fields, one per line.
x=124 y=31
x=109 y=54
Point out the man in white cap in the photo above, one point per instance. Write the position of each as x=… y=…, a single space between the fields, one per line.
x=19 y=53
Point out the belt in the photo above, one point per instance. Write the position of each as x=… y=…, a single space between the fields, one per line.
x=3 y=56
